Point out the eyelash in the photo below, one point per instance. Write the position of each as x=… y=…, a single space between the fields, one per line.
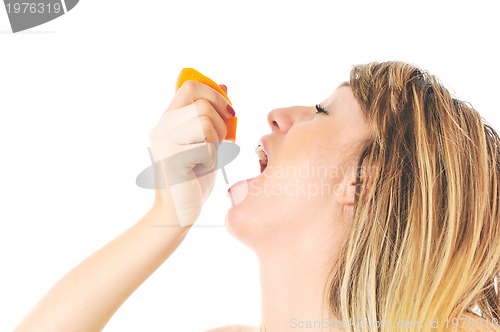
x=320 y=109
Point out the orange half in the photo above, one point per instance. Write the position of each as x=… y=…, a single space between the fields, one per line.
x=190 y=74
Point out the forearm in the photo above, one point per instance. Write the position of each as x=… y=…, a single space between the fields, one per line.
x=87 y=297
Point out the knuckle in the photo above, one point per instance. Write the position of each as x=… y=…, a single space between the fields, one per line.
x=203 y=106
x=188 y=87
x=209 y=132
x=206 y=124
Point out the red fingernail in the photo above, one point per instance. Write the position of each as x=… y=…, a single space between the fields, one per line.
x=230 y=110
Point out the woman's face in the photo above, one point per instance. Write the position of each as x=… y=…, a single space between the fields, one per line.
x=309 y=180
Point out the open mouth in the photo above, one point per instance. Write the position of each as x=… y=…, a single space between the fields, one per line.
x=263 y=159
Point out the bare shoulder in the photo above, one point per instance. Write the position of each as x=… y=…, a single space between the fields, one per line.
x=235 y=328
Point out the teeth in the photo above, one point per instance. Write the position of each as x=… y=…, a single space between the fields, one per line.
x=261 y=153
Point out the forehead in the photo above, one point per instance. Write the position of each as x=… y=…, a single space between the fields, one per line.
x=344 y=106
x=342 y=97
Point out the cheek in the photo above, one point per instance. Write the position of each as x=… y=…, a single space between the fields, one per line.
x=280 y=205
x=297 y=188
x=318 y=139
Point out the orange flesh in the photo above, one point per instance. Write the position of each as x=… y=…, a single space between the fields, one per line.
x=190 y=74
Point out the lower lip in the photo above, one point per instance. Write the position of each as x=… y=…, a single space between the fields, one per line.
x=238 y=191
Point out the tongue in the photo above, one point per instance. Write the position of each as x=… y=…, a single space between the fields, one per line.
x=262 y=166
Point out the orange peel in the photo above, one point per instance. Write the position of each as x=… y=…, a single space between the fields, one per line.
x=191 y=74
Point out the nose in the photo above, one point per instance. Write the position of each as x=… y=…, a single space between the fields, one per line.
x=282 y=119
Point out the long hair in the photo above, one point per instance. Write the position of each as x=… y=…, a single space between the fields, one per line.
x=424 y=248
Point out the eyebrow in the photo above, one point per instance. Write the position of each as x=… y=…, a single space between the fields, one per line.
x=342 y=85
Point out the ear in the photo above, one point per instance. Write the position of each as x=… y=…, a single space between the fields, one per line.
x=345 y=195
x=346 y=189
x=346 y=192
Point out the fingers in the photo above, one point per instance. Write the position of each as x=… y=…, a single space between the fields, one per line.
x=223 y=87
x=188 y=136
x=211 y=121
x=201 y=112
x=192 y=91
x=194 y=123
x=202 y=146
x=197 y=130
x=184 y=147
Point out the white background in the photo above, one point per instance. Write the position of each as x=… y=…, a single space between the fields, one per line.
x=79 y=96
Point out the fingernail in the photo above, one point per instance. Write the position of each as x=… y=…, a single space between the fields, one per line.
x=223 y=87
x=230 y=110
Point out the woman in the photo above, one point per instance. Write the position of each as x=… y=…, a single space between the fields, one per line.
x=377 y=208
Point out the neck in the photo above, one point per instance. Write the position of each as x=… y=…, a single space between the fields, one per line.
x=294 y=286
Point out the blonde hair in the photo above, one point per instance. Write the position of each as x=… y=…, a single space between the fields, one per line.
x=424 y=247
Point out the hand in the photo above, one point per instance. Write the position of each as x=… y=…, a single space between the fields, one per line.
x=184 y=145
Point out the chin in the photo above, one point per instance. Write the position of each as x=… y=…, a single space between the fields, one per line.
x=235 y=221
x=241 y=223
x=247 y=219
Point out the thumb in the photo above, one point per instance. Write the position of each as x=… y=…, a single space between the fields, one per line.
x=223 y=87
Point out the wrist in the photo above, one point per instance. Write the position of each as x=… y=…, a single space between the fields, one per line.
x=163 y=213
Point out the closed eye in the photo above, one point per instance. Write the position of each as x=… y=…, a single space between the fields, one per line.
x=320 y=109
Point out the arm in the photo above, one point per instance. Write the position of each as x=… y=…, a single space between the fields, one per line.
x=87 y=297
